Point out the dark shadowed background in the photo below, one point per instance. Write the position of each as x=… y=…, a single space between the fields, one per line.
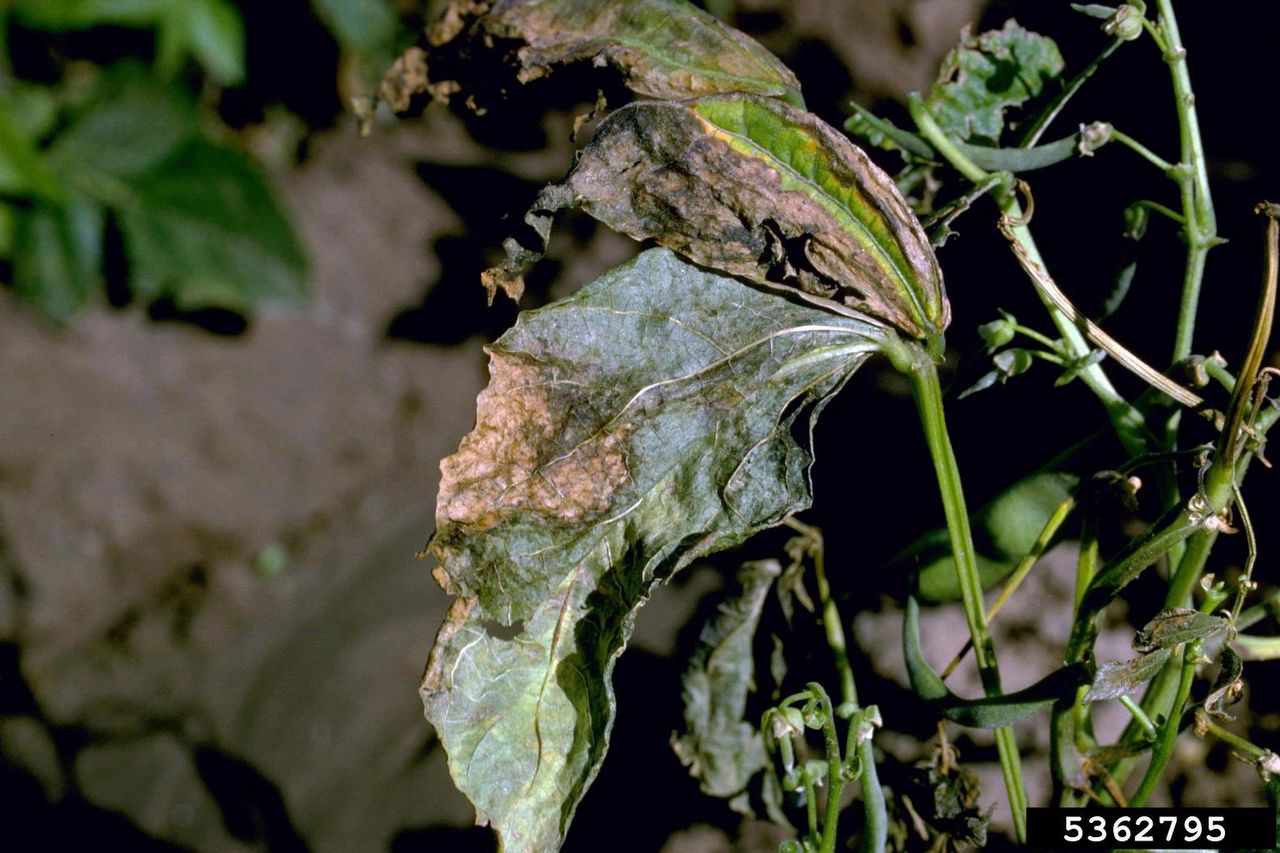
x=213 y=484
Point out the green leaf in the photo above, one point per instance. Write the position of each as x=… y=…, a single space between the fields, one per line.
x=721 y=749
x=204 y=227
x=215 y=37
x=362 y=25
x=664 y=48
x=57 y=256
x=987 y=74
x=130 y=125
x=23 y=169
x=759 y=189
x=1004 y=531
x=209 y=30
x=991 y=712
x=627 y=430
x=60 y=15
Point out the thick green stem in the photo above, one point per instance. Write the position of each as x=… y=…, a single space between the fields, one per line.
x=1163 y=749
x=928 y=395
x=1197 y=202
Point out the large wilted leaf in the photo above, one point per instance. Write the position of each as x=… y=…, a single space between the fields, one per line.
x=645 y=421
x=759 y=189
x=721 y=749
x=664 y=48
x=988 y=73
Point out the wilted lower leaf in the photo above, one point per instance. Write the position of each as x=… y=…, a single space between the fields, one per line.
x=1124 y=678
x=645 y=421
x=759 y=189
x=1175 y=626
x=1228 y=687
x=988 y=73
x=721 y=749
x=664 y=48
x=204 y=227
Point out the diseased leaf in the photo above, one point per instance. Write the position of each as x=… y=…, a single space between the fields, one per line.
x=1177 y=625
x=945 y=795
x=646 y=420
x=664 y=48
x=722 y=750
x=1228 y=687
x=987 y=74
x=759 y=189
x=1124 y=678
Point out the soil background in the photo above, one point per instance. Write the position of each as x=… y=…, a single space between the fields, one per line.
x=212 y=624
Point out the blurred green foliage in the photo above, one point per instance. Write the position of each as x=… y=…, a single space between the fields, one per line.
x=135 y=145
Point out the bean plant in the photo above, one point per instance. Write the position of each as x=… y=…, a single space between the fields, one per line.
x=664 y=412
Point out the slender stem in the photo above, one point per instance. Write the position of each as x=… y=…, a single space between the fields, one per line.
x=1127 y=421
x=876 y=832
x=811 y=805
x=928 y=395
x=835 y=776
x=1037 y=337
x=1157 y=207
x=1142 y=151
x=1020 y=572
x=1087 y=561
x=1139 y=716
x=1218 y=372
x=1247 y=747
x=833 y=627
x=1042 y=121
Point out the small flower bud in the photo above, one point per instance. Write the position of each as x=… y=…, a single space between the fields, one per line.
x=1092 y=137
x=1125 y=24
